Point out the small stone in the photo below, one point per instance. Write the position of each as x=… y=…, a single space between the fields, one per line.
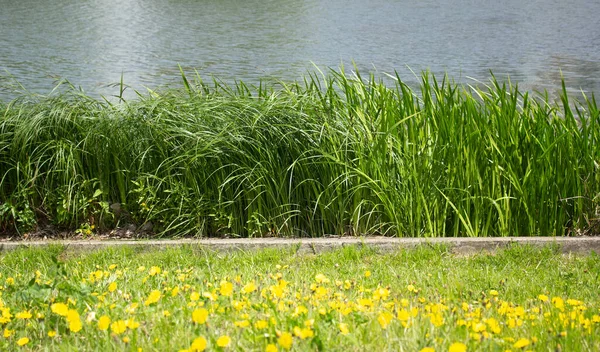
x=147 y=227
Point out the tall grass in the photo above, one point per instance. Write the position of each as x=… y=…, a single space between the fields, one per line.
x=332 y=154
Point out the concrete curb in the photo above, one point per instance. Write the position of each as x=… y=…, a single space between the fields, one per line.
x=579 y=245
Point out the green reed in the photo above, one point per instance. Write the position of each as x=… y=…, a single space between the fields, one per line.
x=332 y=154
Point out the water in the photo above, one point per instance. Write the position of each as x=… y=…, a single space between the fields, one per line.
x=93 y=42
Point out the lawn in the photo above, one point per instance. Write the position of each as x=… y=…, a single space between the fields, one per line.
x=424 y=299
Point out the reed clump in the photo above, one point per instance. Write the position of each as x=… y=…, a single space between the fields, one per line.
x=332 y=154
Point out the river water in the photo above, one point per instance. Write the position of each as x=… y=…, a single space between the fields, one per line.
x=93 y=42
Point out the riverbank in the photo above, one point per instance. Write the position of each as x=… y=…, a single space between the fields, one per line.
x=335 y=155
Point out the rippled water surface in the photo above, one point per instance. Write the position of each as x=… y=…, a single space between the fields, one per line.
x=92 y=42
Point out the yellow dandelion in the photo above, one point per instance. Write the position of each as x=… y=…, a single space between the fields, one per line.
x=112 y=287
x=303 y=333
x=403 y=315
x=60 y=309
x=261 y=324
x=285 y=340
x=249 y=287
x=223 y=341
x=558 y=302
x=8 y=333
x=154 y=271
x=103 y=323
x=321 y=279
x=457 y=347
x=118 y=327
x=271 y=348
x=74 y=320
x=132 y=324
x=242 y=323
x=23 y=341
x=199 y=344
x=344 y=328
x=427 y=349
x=367 y=273
x=51 y=333
x=199 y=316
x=23 y=315
x=385 y=319
x=523 y=342
x=153 y=298
x=226 y=288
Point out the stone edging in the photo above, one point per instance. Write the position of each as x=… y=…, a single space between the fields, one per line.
x=580 y=245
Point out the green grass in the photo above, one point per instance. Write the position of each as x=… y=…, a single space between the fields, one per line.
x=467 y=290
x=334 y=154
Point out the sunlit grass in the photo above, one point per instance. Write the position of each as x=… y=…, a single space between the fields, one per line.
x=351 y=299
x=340 y=154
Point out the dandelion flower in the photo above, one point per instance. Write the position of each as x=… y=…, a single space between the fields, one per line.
x=250 y=287
x=154 y=271
x=152 y=298
x=112 y=287
x=457 y=347
x=118 y=327
x=199 y=316
x=223 y=341
x=303 y=333
x=199 y=344
x=261 y=324
x=285 y=340
x=23 y=315
x=427 y=349
x=23 y=341
x=271 y=348
x=226 y=288
x=344 y=329
x=74 y=320
x=385 y=319
x=103 y=323
x=242 y=324
x=522 y=343
x=321 y=279
x=558 y=303
x=60 y=309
